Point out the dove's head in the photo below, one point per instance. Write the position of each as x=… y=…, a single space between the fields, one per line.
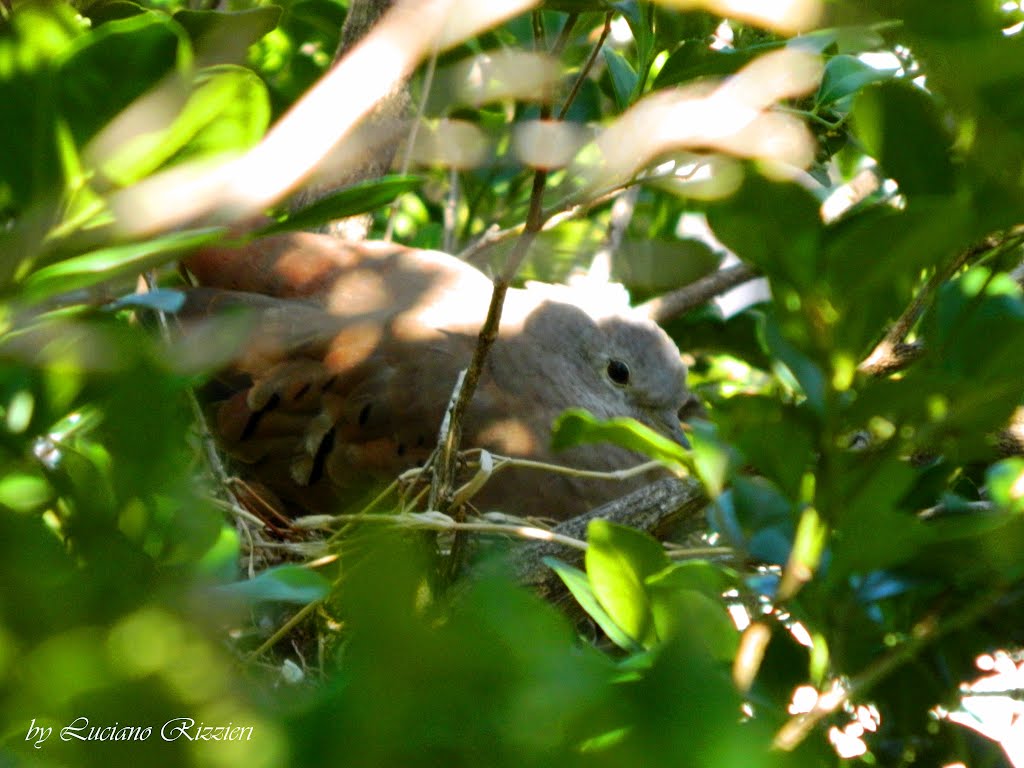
x=612 y=363
x=641 y=370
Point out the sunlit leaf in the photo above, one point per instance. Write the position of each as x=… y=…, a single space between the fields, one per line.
x=358 y=198
x=1006 y=484
x=687 y=598
x=114 y=261
x=577 y=427
x=154 y=45
x=844 y=76
x=24 y=492
x=228 y=111
x=619 y=560
x=578 y=584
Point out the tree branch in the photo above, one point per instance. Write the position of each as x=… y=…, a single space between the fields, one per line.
x=681 y=301
x=657 y=509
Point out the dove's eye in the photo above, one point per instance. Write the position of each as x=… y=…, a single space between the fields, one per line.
x=618 y=372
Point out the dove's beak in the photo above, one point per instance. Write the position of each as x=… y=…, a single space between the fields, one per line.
x=683 y=440
x=670 y=426
x=692 y=408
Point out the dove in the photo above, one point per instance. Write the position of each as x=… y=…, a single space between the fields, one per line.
x=355 y=350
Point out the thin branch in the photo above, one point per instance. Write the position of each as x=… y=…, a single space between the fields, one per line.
x=451 y=211
x=568 y=209
x=926 y=632
x=500 y=462
x=437 y=488
x=618 y=222
x=891 y=354
x=571 y=208
x=488 y=334
x=585 y=71
x=448 y=446
x=899 y=330
x=563 y=35
x=681 y=301
x=885 y=359
x=428 y=81
x=435 y=521
x=300 y=616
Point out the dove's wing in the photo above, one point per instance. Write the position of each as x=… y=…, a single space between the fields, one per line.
x=351 y=360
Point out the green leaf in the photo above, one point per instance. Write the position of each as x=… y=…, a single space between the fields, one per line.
x=284 y=584
x=693 y=59
x=228 y=111
x=623 y=77
x=686 y=599
x=873 y=262
x=30 y=167
x=101 y=13
x=842 y=40
x=111 y=262
x=654 y=265
x=758 y=425
x=901 y=126
x=1005 y=482
x=713 y=460
x=619 y=560
x=220 y=561
x=774 y=226
x=150 y=45
x=969 y=384
x=578 y=427
x=577 y=583
x=807 y=373
x=239 y=28
x=359 y=198
x=764 y=518
x=846 y=75
x=697 y=575
x=24 y=492
x=641 y=26
x=871 y=489
x=40 y=33
x=977 y=305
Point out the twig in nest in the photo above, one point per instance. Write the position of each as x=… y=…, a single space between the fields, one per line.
x=435 y=521
x=654 y=508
